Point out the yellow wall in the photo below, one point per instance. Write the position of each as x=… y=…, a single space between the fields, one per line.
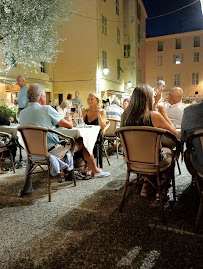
x=79 y=66
x=168 y=68
x=9 y=77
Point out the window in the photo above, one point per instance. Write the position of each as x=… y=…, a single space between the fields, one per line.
x=104 y=59
x=195 y=78
x=178 y=59
x=117 y=7
x=104 y=25
x=160 y=60
x=138 y=52
x=178 y=44
x=127 y=51
x=196 y=57
x=118 y=69
x=43 y=67
x=196 y=41
x=138 y=11
x=159 y=78
x=160 y=46
x=118 y=36
x=176 y=79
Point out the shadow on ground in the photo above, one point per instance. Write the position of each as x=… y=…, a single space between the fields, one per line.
x=9 y=189
x=96 y=235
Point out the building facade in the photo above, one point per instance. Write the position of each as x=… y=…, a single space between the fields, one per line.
x=178 y=60
x=102 y=35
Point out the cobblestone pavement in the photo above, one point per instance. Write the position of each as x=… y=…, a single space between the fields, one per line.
x=82 y=227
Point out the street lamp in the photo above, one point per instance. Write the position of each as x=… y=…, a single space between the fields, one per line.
x=129 y=84
x=105 y=71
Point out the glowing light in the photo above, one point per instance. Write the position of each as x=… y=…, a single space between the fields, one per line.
x=106 y=71
x=129 y=84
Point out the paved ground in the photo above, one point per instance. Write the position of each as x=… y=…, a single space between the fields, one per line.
x=82 y=227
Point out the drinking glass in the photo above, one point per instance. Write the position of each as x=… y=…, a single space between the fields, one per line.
x=80 y=123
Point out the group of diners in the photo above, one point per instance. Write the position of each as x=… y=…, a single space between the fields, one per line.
x=143 y=109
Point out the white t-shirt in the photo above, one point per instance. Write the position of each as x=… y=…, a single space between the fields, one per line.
x=175 y=114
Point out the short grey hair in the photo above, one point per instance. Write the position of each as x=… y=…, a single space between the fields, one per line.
x=161 y=83
x=116 y=101
x=34 y=92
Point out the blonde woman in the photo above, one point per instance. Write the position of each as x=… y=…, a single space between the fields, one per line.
x=94 y=114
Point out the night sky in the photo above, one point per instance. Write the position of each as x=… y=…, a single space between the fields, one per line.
x=185 y=20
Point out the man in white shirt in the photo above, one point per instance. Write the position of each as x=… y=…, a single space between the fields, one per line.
x=176 y=108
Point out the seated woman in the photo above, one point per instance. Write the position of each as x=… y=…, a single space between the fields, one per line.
x=140 y=113
x=95 y=115
x=62 y=109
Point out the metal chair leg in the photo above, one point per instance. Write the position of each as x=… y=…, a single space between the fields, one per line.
x=12 y=163
x=199 y=214
x=178 y=166
x=125 y=190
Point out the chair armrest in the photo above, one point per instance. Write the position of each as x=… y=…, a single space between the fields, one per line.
x=66 y=137
x=178 y=146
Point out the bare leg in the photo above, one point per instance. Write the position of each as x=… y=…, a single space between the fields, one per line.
x=92 y=168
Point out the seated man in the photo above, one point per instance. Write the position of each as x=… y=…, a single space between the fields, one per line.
x=192 y=121
x=114 y=111
x=175 y=111
x=39 y=114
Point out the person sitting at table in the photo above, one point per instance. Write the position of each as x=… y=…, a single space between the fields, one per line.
x=39 y=114
x=62 y=109
x=12 y=146
x=4 y=121
x=140 y=113
x=95 y=115
x=191 y=122
x=176 y=108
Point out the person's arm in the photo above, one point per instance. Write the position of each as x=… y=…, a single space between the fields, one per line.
x=67 y=123
x=162 y=111
x=160 y=121
x=102 y=118
x=157 y=97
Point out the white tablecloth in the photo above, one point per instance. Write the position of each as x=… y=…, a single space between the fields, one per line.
x=12 y=129
x=89 y=135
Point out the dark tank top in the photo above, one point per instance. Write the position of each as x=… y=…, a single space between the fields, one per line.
x=94 y=122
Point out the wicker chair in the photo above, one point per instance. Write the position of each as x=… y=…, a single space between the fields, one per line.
x=110 y=134
x=35 y=142
x=141 y=152
x=5 y=140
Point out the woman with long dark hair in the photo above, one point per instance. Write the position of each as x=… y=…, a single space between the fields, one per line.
x=140 y=113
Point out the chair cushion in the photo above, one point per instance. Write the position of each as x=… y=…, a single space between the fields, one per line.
x=151 y=168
